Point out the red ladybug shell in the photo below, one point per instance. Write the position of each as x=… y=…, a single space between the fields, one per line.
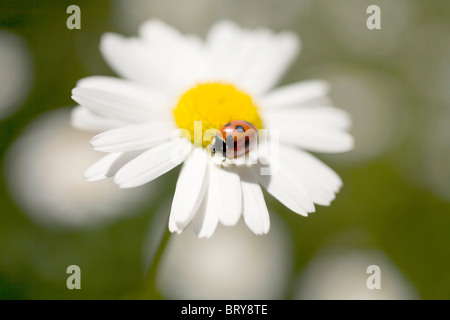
x=238 y=129
x=240 y=137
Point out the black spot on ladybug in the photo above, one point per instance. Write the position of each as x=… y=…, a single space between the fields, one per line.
x=240 y=129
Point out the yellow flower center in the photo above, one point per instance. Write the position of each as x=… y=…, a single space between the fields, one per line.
x=214 y=104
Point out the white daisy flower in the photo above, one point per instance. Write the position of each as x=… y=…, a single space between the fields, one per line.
x=171 y=81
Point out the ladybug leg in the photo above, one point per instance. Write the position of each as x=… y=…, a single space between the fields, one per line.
x=211 y=149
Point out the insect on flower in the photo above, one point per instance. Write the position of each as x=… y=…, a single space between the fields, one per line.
x=234 y=139
x=169 y=82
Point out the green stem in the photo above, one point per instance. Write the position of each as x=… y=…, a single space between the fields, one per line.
x=150 y=291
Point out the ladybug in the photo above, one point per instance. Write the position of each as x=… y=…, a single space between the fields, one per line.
x=234 y=139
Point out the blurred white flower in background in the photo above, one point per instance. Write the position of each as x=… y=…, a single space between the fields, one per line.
x=44 y=173
x=232 y=264
x=425 y=64
x=340 y=273
x=427 y=43
x=16 y=72
x=171 y=81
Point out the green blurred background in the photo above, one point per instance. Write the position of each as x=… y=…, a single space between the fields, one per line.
x=396 y=196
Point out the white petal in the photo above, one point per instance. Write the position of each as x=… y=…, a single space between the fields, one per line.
x=190 y=190
x=274 y=55
x=132 y=59
x=133 y=137
x=108 y=165
x=320 y=129
x=314 y=166
x=316 y=138
x=253 y=59
x=225 y=194
x=324 y=116
x=206 y=220
x=228 y=50
x=309 y=170
x=285 y=185
x=156 y=31
x=152 y=163
x=296 y=94
x=83 y=119
x=178 y=56
x=153 y=100
x=115 y=105
x=254 y=209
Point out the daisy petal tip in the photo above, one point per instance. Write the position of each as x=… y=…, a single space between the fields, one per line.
x=109 y=41
x=261 y=232
x=231 y=222
x=107 y=37
x=92 y=174
x=327 y=203
x=303 y=212
x=75 y=91
x=225 y=23
x=95 y=178
x=173 y=229
x=266 y=228
x=124 y=183
x=181 y=225
x=95 y=143
x=292 y=37
x=124 y=186
x=88 y=174
x=344 y=143
x=204 y=235
x=119 y=181
x=150 y=24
